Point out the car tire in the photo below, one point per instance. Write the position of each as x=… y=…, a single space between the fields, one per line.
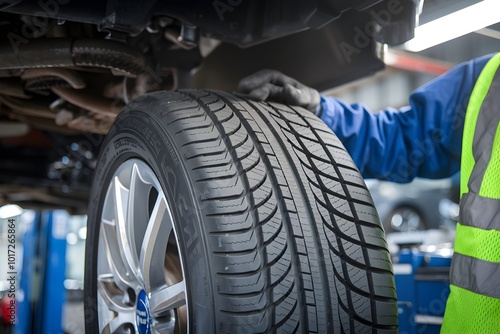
x=270 y=224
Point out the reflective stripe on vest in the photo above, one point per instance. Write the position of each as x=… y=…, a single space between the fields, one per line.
x=474 y=302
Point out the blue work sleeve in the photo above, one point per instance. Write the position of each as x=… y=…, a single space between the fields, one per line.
x=423 y=139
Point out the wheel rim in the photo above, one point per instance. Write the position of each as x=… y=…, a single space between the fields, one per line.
x=406 y=220
x=140 y=276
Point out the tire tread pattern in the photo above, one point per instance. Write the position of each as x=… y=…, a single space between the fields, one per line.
x=295 y=241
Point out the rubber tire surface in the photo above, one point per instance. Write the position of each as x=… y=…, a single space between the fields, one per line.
x=277 y=228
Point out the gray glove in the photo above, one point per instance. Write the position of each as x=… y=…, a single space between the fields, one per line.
x=275 y=86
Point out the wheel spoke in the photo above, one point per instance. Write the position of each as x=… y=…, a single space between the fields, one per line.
x=168 y=298
x=121 y=209
x=137 y=212
x=154 y=245
x=110 y=295
x=116 y=325
x=122 y=278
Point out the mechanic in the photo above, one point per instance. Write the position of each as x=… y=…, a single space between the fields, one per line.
x=451 y=121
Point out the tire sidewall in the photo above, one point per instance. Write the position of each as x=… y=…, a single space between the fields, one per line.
x=137 y=134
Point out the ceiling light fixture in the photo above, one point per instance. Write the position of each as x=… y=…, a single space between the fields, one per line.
x=456 y=24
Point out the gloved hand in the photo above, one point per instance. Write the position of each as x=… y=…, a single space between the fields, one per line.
x=275 y=86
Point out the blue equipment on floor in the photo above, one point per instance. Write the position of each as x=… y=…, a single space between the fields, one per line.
x=43 y=273
x=422 y=283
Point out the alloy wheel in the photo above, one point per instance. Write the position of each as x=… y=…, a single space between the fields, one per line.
x=141 y=286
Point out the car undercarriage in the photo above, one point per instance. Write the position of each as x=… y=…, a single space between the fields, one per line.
x=67 y=68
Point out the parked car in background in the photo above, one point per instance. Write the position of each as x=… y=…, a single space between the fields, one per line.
x=420 y=205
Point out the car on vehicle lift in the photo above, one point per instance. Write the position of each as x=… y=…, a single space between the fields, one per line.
x=208 y=211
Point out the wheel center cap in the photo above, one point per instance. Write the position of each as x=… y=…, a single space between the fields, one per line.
x=143 y=315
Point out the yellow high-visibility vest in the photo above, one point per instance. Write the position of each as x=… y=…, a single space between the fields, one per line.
x=474 y=302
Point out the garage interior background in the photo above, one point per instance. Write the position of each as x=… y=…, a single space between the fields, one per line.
x=405 y=71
